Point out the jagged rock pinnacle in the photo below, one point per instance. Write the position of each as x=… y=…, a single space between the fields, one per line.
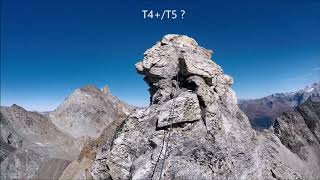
x=177 y=60
x=194 y=111
x=87 y=111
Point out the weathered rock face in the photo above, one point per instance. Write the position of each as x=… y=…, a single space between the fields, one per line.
x=87 y=111
x=310 y=111
x=8 y=135
x=193 y=128
x=299 y=131
x=294 y=133
x=5 y=150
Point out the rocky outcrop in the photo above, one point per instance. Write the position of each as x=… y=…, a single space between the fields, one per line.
x=263 y=112
x=5 y=150
x=310 y=111
x=8 y=134
x=193 y=128
x=87 y=111
x=298 y=130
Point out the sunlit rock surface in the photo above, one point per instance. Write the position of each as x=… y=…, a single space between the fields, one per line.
x=193 y=128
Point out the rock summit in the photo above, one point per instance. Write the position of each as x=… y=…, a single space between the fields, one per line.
x=193 y=128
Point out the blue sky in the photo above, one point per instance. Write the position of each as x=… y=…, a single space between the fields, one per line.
x=49 y=48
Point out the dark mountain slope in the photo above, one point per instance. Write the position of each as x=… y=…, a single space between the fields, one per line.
x=262 y=112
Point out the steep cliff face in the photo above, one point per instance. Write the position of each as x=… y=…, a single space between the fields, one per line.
x=310 y=111
x=87 y=111
x=193 y=128
x=299 y=131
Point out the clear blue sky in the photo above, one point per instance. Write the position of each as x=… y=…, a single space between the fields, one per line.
x=51 y=47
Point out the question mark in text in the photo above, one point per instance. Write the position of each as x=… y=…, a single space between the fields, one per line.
x=183 y=12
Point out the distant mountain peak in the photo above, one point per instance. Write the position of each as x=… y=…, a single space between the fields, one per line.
x=263 y=111
x=87 y=111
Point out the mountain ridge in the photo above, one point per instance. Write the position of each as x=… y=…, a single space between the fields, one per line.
x=193 y=128
x=33 y=146
x=87 y=111
x=263 y=111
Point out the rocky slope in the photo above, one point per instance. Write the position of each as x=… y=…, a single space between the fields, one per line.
x=80 y=168
x=193 y=128
x=33 y=131
x=299 y=131
x=26 y=164
x=33 y=147
x=91 y=112
x=87 y=111
x=33 y=143
x=262 y=112
x=5 y=150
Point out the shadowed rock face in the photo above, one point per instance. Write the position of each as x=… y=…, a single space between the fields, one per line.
x=87 y=111
x=299 y=129
x=5 y=150
x=310 y=111
x=193 y=128
x=262 y=112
